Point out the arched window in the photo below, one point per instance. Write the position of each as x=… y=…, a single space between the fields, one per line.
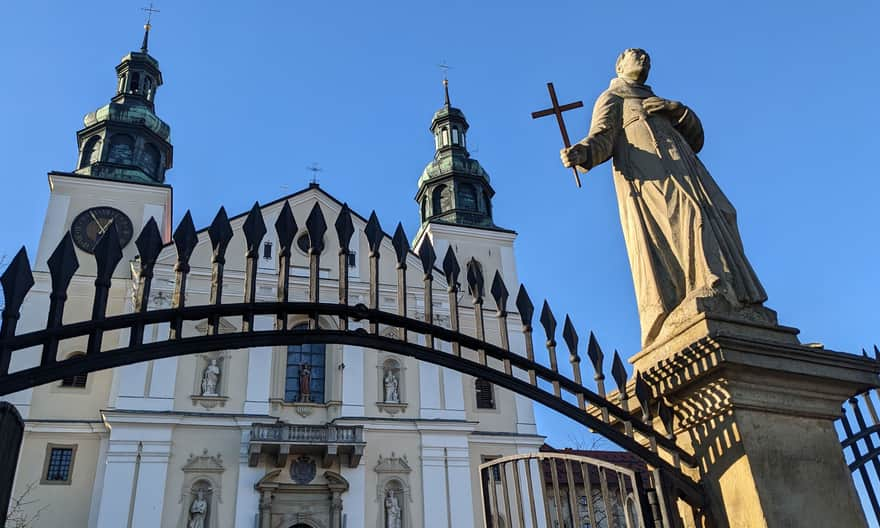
x=455 y=135
x=77 y=381
x=300 y=357
x=134 y=86
x=437 y=200
x=148 y=87
x=467 y=197
x=121 y=148
x=91 y=152
x=150 y=159
x=485 y=394
x=444 y=136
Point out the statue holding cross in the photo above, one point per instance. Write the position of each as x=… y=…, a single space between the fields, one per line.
x=684 y=247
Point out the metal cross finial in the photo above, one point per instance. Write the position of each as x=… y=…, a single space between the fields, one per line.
x=150 y=12
x=314 y=168
x=445 y=69
x=557 y=111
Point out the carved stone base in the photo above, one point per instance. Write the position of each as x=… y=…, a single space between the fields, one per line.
x=757 y=409
x=209 y=402
x=391 y=408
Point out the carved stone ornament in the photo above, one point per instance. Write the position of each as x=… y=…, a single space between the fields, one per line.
x=393 y=464
x=303 y=470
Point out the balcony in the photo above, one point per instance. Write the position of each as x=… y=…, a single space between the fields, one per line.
x=329 y=442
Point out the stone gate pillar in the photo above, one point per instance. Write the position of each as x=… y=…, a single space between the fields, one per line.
x=757 y=409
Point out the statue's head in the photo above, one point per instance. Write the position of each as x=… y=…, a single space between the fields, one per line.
x=633 y=64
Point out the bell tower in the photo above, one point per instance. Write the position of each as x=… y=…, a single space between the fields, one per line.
x=125 y=140
x=119 y=177
x=454 y=188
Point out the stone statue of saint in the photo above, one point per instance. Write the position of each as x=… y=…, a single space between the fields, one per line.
x=198 y=510
x=392 y=388
x=680 y=230
x=305 y=382
x=392 y=510
x=210 y=378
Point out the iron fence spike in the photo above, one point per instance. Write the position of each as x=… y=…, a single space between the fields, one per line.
x=316 y=227
x=667 y=417
x=548 y=321
x=17 y=280
x=451 y=269
x=618 y=372
x=475 y=280
x=254 y=230
x=220 y=233
x=401 y=244
x=344 y=227
x=285 y=229
x=185 y=239
x=597 y=357
x=427 y=256
x=499 y=292
x=374 y=233
x=644 y=395
x=108 y=253
x=524 y=306
x=149 y=244
x=569 y=335
x=63 y=264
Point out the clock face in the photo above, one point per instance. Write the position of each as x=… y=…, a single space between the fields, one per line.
x=89 y=226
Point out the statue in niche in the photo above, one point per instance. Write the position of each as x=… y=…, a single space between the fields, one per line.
x=684 y=247
x=198 y=510
x=210 y=378
x=392 y=387
x=305 y=382
x=392 y=510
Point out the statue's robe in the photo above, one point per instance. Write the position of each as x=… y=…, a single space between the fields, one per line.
x=680 y=230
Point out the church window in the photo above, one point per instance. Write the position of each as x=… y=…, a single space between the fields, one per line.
x=91 y=152
x=299 y=356
x=121 y=147
x=437 y=200
x=455 y=135
x=352 y=259
x=150 y=159
x=267 y=250
x=77 y=380
x=485 y=394
x=444 y=134
x=487 y=203
x=467 y=197
x=424 y=207
x=58 y=466
x=135 y=85
x=148 y=87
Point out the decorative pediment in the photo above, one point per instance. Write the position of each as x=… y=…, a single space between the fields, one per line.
x=204 y=463
x=393 y=464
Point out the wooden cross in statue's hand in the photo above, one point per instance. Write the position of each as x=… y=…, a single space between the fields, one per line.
x=557 y=111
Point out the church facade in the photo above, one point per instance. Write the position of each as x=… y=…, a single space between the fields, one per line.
x=305 y=436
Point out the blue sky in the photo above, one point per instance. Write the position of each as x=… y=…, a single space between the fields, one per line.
x=256 y=91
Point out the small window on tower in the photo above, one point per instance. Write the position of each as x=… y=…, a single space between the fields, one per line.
x=445 y=136
x=454 y=136
x=485 y=394
x=352 y=259
x=267 y=250
x=134 y=86
x=58 y=465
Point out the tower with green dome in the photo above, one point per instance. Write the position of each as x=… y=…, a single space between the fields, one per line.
x=454 y=188
x=125 y=140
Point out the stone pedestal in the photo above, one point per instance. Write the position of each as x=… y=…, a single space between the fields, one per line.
x=757 y=409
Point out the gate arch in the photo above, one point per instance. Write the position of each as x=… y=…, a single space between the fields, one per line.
x=632 y=430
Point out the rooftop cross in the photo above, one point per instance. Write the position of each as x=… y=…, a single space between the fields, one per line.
x=150 y=10
x=557 y=111
x=314 y=168
x=445 y=69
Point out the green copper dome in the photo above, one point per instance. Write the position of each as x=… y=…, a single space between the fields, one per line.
x=131 y=114
x=453 y=163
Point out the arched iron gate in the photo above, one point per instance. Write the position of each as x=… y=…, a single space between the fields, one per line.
x=630 y=428
x=560 y=490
